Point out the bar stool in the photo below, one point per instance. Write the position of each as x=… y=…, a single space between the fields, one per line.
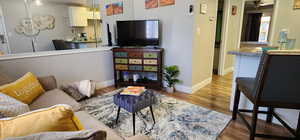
x=276 y=85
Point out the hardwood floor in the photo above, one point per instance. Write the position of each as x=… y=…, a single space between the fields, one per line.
x=216 y=96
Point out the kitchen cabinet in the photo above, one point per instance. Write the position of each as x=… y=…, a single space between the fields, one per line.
x=92 y=16
x=78 y=16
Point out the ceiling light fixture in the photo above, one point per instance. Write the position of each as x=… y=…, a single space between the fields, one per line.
x=38 y=2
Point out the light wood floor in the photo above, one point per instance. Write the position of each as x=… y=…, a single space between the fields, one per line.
x=216 y=96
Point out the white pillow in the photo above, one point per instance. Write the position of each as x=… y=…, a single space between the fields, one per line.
x=86 y=87
x=10 y=107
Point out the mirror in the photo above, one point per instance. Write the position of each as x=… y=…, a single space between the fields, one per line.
x=48 y=25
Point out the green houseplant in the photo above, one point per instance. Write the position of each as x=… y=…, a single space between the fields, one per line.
x=171 y=74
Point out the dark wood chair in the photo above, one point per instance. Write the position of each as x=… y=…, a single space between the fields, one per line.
x=62 y=45
x=276 y=85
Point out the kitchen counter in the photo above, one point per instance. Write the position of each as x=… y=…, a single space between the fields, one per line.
x=247 y=51
x=88 y=41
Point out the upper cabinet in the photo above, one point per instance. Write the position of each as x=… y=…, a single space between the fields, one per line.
x=78 y=16
x=94 y=15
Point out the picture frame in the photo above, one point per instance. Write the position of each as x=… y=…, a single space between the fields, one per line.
x=296 y=4
x=150 y=4
x=109 y=10
x=166 y=2
x=118 y=8
x=234 y=10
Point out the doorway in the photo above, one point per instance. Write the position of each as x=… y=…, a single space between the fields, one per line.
x=218 y=37
x=256 y=23
x=4 y=46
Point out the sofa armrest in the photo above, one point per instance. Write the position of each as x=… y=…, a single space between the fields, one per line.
x=48 y=82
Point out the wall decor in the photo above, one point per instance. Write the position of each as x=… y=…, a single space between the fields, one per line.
x=296 y=4
x=109 y=10
x=118 y=8
x=149 y=4
x=32 y=27
x=234 y=10
x=166 y=2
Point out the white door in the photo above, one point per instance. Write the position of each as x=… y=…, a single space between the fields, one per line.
x=4 y=45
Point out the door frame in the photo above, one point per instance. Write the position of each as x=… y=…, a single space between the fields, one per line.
x=223 y=45
x=226 y=14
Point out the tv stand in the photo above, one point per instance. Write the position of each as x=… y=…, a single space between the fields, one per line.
x=138 y=66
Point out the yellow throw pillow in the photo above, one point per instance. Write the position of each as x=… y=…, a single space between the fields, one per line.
x=56 y=118
x=25 y=89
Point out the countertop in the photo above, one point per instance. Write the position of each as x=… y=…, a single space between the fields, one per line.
x=53 y=53
x=88 y=41
x=247 y=51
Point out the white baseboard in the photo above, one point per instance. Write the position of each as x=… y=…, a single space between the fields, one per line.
x=228 y=70
x=201 y=85
x=183 y=88
x=104 y=84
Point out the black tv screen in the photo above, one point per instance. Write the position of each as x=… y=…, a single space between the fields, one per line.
x=138 y=33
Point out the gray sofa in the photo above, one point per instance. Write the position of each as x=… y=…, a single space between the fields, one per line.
x=54 y=96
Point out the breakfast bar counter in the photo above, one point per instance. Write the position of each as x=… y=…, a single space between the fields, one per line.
x=246 y=65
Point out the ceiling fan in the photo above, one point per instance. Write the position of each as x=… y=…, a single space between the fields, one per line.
x=259 y=3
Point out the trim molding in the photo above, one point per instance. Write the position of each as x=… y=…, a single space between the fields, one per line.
x=184 y=89
x=228 y=70
x=201 y=84
x=104 y=84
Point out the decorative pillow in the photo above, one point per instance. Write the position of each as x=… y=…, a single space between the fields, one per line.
x=25 y=89
x=74 y=135
x=56 y=118
x=86 y=87
x=10 y=107
x=73 y=92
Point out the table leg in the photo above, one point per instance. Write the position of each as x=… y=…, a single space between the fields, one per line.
x=152 y=113
x=133 y=120
x=118 y=115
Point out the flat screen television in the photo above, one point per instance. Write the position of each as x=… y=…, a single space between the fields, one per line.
x=138 y=33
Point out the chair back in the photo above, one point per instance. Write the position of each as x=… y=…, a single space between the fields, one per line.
x=278 y=79
x=60 y=45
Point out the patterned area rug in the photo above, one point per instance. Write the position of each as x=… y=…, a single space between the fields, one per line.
x=175 y=119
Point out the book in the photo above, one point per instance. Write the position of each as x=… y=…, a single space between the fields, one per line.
x=133 y=90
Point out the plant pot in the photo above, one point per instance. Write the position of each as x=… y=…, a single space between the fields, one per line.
x=170 y=89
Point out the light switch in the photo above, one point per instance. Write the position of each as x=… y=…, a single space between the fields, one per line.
x=203 y=8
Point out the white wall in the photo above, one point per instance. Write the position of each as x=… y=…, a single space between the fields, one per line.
x=231 y=35
x=95 y=65
x=177 y=34
x=286 y=17
x=203 y=43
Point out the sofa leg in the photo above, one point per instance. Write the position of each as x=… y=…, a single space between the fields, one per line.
x=236 y=103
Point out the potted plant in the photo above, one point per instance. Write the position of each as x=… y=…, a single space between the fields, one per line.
x=170 y=76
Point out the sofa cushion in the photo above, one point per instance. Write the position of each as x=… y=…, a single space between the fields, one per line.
x=10 y=107
x=25 y=89
x=54 y=97
x=88 y=122
x=55 y=118
x=78 y=135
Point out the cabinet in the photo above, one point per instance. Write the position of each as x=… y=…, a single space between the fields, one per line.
x=144 y=62
x=78 y=16
x=91 y=15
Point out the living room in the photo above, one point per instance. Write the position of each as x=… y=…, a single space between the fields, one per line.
x=84 y=78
